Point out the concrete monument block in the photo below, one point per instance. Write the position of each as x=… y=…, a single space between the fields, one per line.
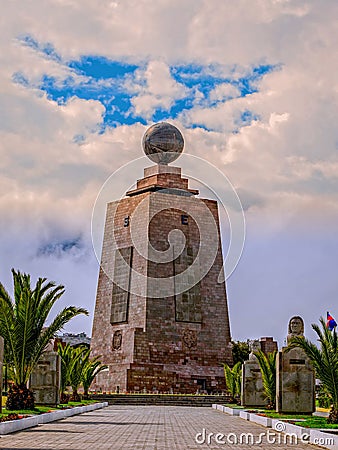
x=1 y=363
x=252 y=392
x=295 y=378
x=45 y=379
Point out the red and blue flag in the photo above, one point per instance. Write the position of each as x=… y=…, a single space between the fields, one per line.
x=331 y=323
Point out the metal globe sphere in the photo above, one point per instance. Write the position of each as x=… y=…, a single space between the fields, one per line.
x=163 y=143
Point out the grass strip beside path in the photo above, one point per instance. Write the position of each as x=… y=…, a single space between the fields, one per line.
x=307 y=421
x=45 y=409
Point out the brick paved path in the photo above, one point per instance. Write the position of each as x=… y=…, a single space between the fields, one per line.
x=139 y=427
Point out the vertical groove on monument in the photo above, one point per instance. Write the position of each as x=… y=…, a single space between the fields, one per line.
x=161 y=317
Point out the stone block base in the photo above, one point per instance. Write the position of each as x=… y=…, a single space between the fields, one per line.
x=153 y=378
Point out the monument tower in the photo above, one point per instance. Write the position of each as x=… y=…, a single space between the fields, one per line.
x=161 y=317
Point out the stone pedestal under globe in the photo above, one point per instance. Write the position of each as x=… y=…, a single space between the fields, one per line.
x=161 y=318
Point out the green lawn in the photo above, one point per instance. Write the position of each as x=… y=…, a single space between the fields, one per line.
x=308 y=421
x=37 y=410
x=43 y=409
x=83 y=402
x=234 y=406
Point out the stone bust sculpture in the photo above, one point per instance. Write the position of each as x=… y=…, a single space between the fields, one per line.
x=295 y=328
x=254 y=347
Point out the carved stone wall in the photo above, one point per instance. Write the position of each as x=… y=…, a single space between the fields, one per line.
x=45 y=379
x=252 y=392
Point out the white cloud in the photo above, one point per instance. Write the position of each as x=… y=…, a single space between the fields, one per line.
x=223 y=92
x=155 y=88
x=82 y=115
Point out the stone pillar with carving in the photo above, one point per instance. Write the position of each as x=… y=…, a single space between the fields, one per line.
x=252 y=392
x=45 y=379
x=295 y=377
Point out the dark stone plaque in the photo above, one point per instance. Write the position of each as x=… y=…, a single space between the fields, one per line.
x=188 y=303
x=120 y=293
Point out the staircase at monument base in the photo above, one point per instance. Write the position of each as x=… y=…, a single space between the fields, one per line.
x=161 y=400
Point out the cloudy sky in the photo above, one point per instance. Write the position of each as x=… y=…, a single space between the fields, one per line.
x=252 y=84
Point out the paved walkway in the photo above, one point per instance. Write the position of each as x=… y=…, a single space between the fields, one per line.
x=142 y=427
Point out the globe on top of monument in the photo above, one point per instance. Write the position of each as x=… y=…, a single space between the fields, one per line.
x=163 y=143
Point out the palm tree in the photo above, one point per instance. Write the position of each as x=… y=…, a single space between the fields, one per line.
x=267 y=364
x=22 y=325
x=324 y=360
x=67 y=361
x=91 y=369
x=80 y=360
x=233 y=380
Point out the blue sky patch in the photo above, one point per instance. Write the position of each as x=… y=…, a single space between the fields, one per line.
x=47 y=49
x=101 y=68
x=116 y=83
x=60 y=248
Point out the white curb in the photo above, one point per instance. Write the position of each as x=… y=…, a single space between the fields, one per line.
x=21 y=424
x=316 y=437
x=261 y=420
x=244 y=415
x=326 y=440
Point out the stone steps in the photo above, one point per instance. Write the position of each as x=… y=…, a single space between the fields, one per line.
x=161 y=399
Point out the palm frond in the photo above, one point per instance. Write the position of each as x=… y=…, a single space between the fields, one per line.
x=7 y=321
x=67 y=361
x=23 y=318
x=267 y=365
x=50 y=332
x=81 y=356
x=91 y=370
x=233 y=378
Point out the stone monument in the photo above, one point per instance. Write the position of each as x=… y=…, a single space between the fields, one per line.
x=295 y=377
x=45 y=379
x=161 y=317
x=252 y=392
x=1 y=363
x=268 y=345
